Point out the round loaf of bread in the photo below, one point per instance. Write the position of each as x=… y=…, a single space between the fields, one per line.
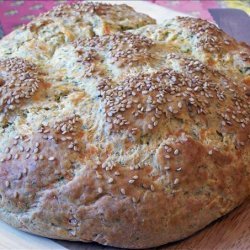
x=129 y=138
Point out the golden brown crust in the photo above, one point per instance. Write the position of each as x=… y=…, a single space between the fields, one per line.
x=127 y=141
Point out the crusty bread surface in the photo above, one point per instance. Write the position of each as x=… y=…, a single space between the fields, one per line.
x=117 y=130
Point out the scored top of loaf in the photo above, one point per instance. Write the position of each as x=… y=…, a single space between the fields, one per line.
x=132 y=139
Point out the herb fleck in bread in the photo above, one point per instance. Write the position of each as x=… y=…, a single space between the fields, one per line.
x=127 y=138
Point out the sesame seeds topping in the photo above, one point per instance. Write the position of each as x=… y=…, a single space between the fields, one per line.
x=51 y=158
x=68 y=125
x=88 y=58
x=125 y=49
x=19 y=81
x=77 y=9
x=148 y=96
x=209 y=37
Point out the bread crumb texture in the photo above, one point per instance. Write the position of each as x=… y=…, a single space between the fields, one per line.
x=119 y=131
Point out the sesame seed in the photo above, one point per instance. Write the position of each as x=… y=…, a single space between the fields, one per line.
x=41 y=157
x=36 y=150
x=131 y=181
x=135 y=177
x=169 y=149
x=167 y=156
x=35 y=157
x=117 y=173
x=7 y=184
x=179 y=105
x=122 y=190
x=176 y=152
x=210 y=152
x=15 y=194
x=176 y=181
x=150 y=126
x=152 y=188
x=110 y=180
x=51 y=158
x=100 y=190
